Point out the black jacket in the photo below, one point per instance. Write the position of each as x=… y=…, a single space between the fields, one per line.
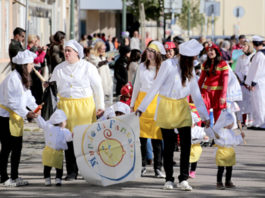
x=120 y=73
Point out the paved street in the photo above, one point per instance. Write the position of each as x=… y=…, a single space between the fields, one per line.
x=248 y=175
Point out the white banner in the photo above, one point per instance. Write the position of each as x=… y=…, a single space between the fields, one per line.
x=108 y=152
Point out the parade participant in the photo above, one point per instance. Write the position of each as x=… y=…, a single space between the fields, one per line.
x=225 y=154
x=15 y=97
x=16 y=43
x=145 y=76
x=81 y=95
x=174 y=82
x=98 y=58
x=57 y=49
x=126 y=93
x=256 y=83
x=120 y=68
x=56 y=136
x=133 y=64
x=170 y=49
x=213 y=80
x=121 y=108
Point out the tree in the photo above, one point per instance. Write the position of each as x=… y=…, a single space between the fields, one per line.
x=190 y=8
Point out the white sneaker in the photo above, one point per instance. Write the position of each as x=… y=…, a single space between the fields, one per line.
x=48 y=181
x=159 y=174
x=169 y=185
x=10 y=183
x=20 y=182
x=184 y=185
x=58 y=182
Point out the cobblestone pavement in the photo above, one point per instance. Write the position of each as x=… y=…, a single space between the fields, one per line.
x=248 y=175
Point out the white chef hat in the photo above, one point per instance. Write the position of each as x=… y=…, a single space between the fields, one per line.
x=24 y=57
x=57 y=117
x=195 y=118
x=257 y=38
x=122 y=107
x=158 y=47
x=76 y=46
x=225 y=119
x=190 y=48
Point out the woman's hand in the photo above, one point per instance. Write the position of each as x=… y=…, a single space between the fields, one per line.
x=138 y=113
x=32 y=115
x=99 y=113
x=207 y=123
x=222 y=101
x=46 y=84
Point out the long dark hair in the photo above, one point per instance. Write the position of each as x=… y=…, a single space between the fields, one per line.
x=134 y=57
x=186 y=66
x=208 y=63
x=23 y=71
x=158 y=61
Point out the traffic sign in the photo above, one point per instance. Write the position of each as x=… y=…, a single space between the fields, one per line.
x=212 y=8
x=239 y=12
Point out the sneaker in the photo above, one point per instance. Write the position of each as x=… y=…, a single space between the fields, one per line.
x=10 y=183
x=220 y=186
x=20 y=182
x=58 y=182
x=159 y=174
x=229 y=185
x=169 y=185
x=192 y=174
x=143 y=172
x=70 y=177
x=48 y=181
x=184 y=185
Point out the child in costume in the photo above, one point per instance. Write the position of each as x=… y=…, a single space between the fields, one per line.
x=56 y=138
x=126 y=93
x=225 y=154
x=197 y=135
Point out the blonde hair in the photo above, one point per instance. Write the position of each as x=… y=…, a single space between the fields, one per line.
x=96 y=48
x=250 y=46
x=32 y=38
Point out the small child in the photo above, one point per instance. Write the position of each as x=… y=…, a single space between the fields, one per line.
x=225 y=154
x=121 y=108
x=126 y=93
x=197 y=135
x=56 y=136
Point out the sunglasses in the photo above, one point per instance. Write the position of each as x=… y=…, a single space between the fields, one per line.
x=151 y=50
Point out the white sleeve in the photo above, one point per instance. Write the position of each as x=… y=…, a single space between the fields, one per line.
x=161 y=77
x=31 y=102
x=136 y=87
x=238 y=69
x=252 y=70
x=93 y=59
x=209 y=132
x=68 y=135
x=197 y=99
x=14 y=95
x=42 y=123
x=96 y=85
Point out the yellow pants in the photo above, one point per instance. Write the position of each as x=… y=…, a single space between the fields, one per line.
x=172 y=113
x=225 y=156
x=52 y=157
x=148 y=126
x=78 y=111
x=195 y=152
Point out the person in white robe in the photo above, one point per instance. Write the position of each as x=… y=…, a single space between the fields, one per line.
x=80 y=93
x=255 y=82
x=15 y=98
x=56 y=138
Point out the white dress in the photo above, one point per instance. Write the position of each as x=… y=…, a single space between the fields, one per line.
x=257 y=74
x=241 y=70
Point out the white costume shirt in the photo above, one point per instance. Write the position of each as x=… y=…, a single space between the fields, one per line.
x=55 y=136
x=197 y=134
x=242 y=66
x=168 y=83
x=228 y=138
x=133 y=66
x=135 y=43
x=143 y=81
x=79 y=80
x=15 y=96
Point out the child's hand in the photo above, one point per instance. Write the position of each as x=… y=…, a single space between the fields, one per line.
x=243 y=135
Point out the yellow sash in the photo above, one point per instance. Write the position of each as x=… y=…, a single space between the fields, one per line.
x=172 y=113
x=52 y=157
x=16 y=122
x=78 y=111
x=148 y=126
x=225 y=156
x=195 y=152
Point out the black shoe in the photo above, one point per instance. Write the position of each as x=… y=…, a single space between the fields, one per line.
x=70 y=177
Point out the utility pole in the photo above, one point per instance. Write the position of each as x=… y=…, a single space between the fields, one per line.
x=188 y=18
x=124 y=15
x=26 y=24
x=72 y=23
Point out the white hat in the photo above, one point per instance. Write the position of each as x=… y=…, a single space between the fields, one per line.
x=57 y=117
x=76 y=46
x=156 y=45
x=24 y=57
x=122 y=107
x=190 y=48
x=224 y=120
x=257 y=38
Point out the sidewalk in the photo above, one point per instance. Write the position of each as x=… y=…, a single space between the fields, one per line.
x=248 y=175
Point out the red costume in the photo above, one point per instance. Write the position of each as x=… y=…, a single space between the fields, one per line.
x=126 y=93
x=214 y=87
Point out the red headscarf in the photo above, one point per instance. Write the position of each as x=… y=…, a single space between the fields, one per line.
x=213 y=46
